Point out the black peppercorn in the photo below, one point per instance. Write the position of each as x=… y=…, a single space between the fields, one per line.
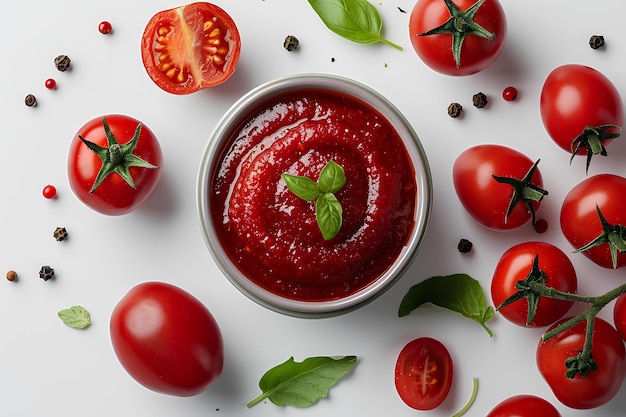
x=454 y=110
x=596 y=41
x=46 y=273
x=291 y=43
x=60 y=233
x=62 y=62
x=479 y=100
x=465 y=246
x=30 y=100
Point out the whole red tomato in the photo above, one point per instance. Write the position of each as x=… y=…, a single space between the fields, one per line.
x=459 y=37
x=581 y=110
x=553 y=268
x=423 y=374
x=619 y=315
x=524 y=405
x=593 y=219
x=190 y=47
x=505 y=202
x=114 y=164
x=601 y=384
x=166 y=339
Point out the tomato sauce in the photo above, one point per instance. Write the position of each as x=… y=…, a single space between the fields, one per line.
x=272 y=235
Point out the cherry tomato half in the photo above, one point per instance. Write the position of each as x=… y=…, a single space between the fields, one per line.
x=190 y=47
x=487 y=199
x=423 y=374
x=115 y=167
x=600 y=385
x=166 y=339
x=483 y=35
x=581 y=109
x=596 y=198
x=516 y=264
x=524 y=405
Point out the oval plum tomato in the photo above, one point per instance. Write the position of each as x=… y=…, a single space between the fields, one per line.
x=498 y=186
x=600 y=385
x=619 y=315
x=166 y=339
x=593 y=219
x=423 y=374
x=581 y=110
x=114 y=164
x=190 y=47
x=538 y=262
x=524 y=405
x=459 y=37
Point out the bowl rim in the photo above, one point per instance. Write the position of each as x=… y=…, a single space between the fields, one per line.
x=233 y=117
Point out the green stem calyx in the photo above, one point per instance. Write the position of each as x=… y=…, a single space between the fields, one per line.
x=460 y=24
x=591 y=139
x=612 y=235
x=524 y=191
x=115 y=157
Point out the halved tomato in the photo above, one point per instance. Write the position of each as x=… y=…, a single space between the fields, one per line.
x=190 y=47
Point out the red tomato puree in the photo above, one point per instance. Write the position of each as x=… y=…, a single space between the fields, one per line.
x=272 y=235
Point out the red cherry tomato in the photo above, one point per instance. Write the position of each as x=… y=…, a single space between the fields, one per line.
x=190 y=47
x=581 y=110
x=483 y=35
x=582 y=224
x=600 y=385
x=130 y=181
x=524 y=405
x=619 y=315
x=423 y=374
x=516 y=264
x=487 y=199
x=166 y=339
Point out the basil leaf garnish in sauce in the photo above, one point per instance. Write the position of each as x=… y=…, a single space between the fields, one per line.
x=459 y=293
x=355 y=20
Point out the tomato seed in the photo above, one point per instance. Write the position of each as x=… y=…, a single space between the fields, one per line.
x=509 y=93
x=50 y=84
x=105 y=27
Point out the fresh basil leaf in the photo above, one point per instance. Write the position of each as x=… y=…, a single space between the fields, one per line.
x=329 y=215
x=76 y=317
x=355 y=20
x=301 y=384
x=332 y=178
x=303 y=187
x=459 y=293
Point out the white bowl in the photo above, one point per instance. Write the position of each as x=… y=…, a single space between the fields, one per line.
x=219 y=141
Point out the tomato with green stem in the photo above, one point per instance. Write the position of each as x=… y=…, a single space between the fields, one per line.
x=593 y=219
x=190 y=47
x=459 y=37
x=524 y=405
x=114 y=164
x=537 y=262
x=581 y=110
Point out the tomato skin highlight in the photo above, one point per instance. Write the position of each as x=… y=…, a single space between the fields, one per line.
x=601 y=385
x=423 y=373
x=524 y=405
x=113 y=196
x=166 y=339
x=619 y=315
x=515 y=264
x=579 y=219
x=436 y=50
x=485 y=199
x=191 y=47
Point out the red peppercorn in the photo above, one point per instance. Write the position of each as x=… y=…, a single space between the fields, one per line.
x=509 y=93
x=50 y=84
x=541 y=226
x=105 y=27
x=49 y=191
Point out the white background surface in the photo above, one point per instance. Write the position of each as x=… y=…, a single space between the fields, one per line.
x=48 y=369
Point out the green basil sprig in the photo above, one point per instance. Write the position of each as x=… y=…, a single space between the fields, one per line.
x=75 y=317
x=459 y=293
x=328 y=210
x=301 y=384
x=355 y=20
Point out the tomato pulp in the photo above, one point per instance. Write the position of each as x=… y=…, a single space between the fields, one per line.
x=273 y=236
